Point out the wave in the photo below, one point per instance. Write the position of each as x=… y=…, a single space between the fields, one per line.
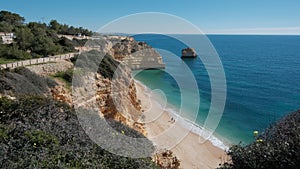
x=186 y=123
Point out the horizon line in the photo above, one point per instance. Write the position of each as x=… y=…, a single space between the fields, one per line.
x=249 y=34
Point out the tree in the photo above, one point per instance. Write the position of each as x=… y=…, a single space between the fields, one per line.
x=71 y=31
x=13 y=52
x=11 y=18
x=38 y=29
x=24 y=38
x=54 y=25
x=44 y=46
x=63 y=29
x=5 y=27
x=37 y=39
x=67 y=44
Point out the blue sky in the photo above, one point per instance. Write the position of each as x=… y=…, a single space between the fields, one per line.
x=211 y=16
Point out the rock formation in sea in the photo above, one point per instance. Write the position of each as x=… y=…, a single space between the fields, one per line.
x=188 y=53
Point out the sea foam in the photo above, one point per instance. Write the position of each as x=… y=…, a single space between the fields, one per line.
x=186 y=123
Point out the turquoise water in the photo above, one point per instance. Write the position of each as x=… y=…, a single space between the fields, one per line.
x=262 y=73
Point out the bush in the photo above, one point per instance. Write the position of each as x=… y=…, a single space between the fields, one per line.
x=21 y=81
x=278 y=147
x=36 y=132
x=13 y=52
x=66 y=75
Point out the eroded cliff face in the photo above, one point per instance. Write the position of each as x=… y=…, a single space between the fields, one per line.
x=117 y=99
x=137 y=55
x=60 y=93
x=111 y=89
x=116 y=96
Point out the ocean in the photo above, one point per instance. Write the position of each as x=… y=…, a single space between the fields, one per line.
x=262 y=76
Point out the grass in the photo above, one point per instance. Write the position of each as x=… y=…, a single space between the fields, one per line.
x=65 y=77
x=4 y=60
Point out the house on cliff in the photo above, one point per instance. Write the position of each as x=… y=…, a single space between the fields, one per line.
x=7 y=38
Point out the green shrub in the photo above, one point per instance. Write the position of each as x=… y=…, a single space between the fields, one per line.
x=39 y=138
x=36 y=132
x=278 y=147
x=65 y=75
x=3 y=133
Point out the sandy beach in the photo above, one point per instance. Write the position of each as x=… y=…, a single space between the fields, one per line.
x=165 y=133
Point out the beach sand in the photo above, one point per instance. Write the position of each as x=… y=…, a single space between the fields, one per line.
x=187 y=146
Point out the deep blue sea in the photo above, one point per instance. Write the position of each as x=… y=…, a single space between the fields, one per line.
x=262 y=76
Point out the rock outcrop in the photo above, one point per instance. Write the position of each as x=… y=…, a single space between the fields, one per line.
x=166 y=159
x=111 y=88
x=51 y=67
x=188 y=53
x=117 y=100
x=62 y=94
x=137 y=55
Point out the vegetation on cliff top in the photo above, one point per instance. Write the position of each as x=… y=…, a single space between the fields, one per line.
x=35 y=39
x=21 y=81
x=278 y=147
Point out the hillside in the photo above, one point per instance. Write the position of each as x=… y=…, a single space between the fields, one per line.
x=39 y=127
x=35 y=39
x=37 y=132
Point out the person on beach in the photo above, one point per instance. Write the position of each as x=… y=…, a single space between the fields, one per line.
x=172 y=120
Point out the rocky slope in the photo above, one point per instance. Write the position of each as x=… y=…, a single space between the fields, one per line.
x=51 y=68
x=122 y=105
x=111 y=88
x=166 y=159
x=137 y=55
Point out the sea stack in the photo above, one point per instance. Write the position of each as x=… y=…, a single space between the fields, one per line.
x=188 y=53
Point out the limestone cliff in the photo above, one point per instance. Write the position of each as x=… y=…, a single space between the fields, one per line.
x=115 y=91
x=118 y=101
x=116 y=97
x=111 y=88
x=137 y=55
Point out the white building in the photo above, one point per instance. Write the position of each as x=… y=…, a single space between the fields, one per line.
x=7 y=38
